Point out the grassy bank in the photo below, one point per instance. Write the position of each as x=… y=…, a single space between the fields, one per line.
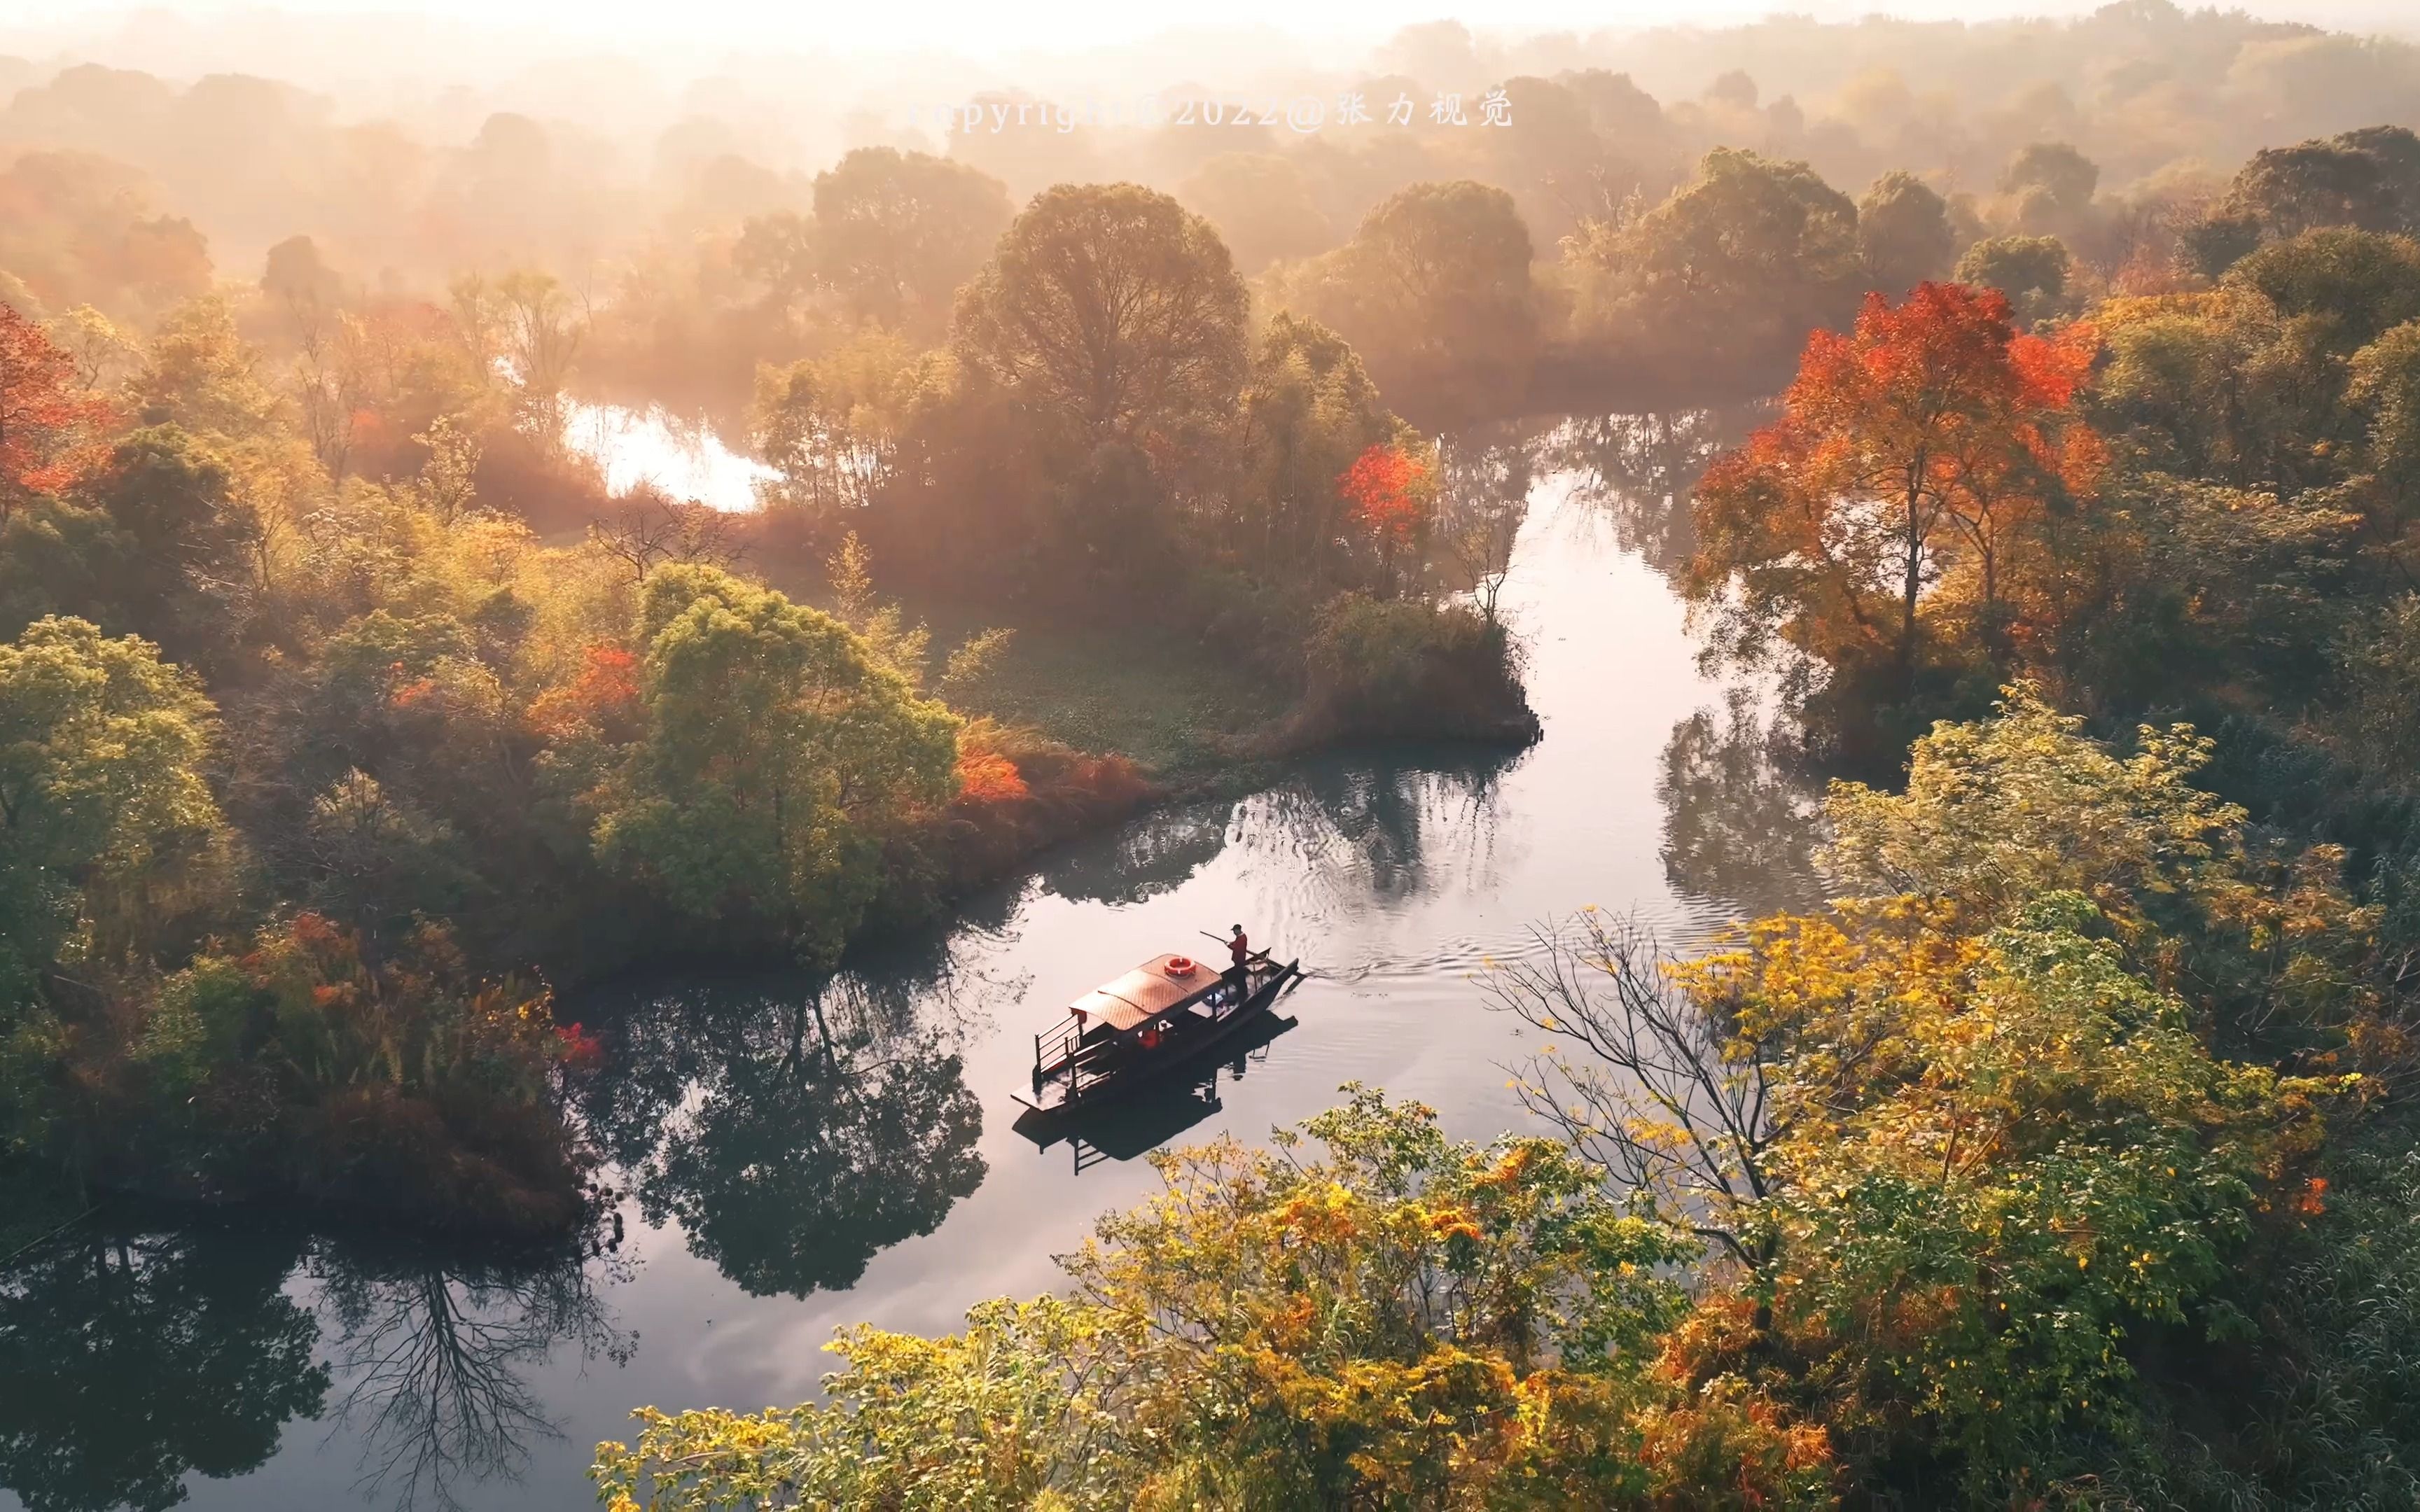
x=1173 y=704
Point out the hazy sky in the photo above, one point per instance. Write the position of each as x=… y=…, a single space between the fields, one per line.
x=1019 y=26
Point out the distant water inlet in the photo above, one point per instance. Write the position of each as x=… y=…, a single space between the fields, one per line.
x=684 y=458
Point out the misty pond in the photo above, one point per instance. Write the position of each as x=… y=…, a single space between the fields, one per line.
x=793 y=1161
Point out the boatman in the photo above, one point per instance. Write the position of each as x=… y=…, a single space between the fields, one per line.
x=1240 y=951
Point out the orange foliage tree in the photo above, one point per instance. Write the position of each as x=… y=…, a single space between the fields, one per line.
x=1388 y=490
x=49 y=426
x=1914 y=459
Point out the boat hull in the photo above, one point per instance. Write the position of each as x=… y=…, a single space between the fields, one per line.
x=1060 y=1094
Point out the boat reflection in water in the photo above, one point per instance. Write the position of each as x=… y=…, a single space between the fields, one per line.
x=1180 y=1099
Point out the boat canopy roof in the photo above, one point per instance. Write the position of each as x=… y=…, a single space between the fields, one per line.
x=1146 y=992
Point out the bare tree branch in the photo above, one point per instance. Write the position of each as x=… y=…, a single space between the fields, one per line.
x=1668 y=1098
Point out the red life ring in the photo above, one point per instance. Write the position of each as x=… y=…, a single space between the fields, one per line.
x=1151 y=1038
x=1180 y=965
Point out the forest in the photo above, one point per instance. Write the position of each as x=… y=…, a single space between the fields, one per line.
x=353 y=717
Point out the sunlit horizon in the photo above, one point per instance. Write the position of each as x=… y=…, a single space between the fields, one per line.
x=709 y=28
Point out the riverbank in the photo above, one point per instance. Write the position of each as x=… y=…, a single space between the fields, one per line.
x=1172 y=703
x=796 y=1153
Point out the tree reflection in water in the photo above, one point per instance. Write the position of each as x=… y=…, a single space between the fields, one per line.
x=128 y=1361
x=796 y=1127
x=1482 y=494
x=1638 y=470
x=1345 y=832
x=435 y=1353
x=1155 y=854
x=1740 y=818
x=131 y=1359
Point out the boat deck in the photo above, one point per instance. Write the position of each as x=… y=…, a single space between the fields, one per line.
x=1126 y=1033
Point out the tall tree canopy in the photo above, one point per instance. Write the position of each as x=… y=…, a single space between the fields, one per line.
x=102 y=747
x=1903 y=233
x=896 y=233
x=777 y=752
x=1739 y=264
x=49 y=423
x=1433 y=291
x=1913 y=452
x=1113 y=309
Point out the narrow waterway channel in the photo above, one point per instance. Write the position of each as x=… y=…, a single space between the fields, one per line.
x=795 y=1162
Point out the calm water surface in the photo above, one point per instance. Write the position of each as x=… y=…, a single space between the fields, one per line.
x=797 y=1160
x=683 y=457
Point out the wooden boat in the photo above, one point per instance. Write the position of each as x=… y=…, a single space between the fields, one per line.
x=1126 y=1033
x=1129 y=1128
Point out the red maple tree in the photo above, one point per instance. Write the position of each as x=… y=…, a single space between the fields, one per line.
x=49 y=427
x=1387 y=491
x=1384 y=485
x=1913 y=451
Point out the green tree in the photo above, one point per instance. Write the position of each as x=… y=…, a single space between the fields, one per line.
x=2368 y=179
x=2386 y=390
x=2050 y=184
x=777 y=754
x=813 y=1135
x=102 y=749
x=2030 y=270
x=1433 y=291
x=1115 y=312
x=1262 y=205
x=199 y=373
x=2265 y=944
x=1735 y=267
x=1309 y=409
x=833 y=427
x=185 y=576
x=2001 y=811
x=2347 y=287
x=896 y=233
x=1903 y=233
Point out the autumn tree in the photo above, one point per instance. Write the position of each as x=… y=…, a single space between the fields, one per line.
x=1381 y=1316
x=1912 y=454
x=1961 y=1144
x=1386 y=492
x=49 y=420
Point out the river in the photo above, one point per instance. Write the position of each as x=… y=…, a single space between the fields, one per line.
x=792 y=1162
